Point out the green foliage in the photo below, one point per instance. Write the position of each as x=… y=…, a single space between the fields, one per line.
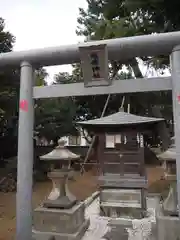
x=55 y=118
x=6 y=38
x=9 y=85
x=123 y=18
x=40 y=77
x=103 y=19
x=65 y=77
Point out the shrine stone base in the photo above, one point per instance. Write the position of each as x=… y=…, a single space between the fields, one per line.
x=121 y=202
x=123 y=195
x=62 y=224
x=167 y=227
x=107 y=210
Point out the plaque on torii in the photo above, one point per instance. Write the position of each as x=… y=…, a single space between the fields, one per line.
x=94 y=63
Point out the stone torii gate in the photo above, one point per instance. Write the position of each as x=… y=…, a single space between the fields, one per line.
x=117 y=49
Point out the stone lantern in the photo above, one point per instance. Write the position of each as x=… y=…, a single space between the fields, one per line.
x=167 y=214
x=169 y=161
x=60 y=160
x=168 y=157
x=60 y=216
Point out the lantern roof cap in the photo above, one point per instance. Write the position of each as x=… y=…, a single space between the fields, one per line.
x=170 y=153
x=61 y=152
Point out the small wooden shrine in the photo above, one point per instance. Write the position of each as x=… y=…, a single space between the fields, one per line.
x=120 y=156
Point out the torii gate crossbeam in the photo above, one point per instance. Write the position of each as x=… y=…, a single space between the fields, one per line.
x=118 y=49
x=119 y=86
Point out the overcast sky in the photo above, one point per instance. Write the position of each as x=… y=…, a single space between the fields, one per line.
x=42 y=23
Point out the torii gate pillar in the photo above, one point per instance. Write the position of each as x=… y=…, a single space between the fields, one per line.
x=25 y=154
x=175 y=67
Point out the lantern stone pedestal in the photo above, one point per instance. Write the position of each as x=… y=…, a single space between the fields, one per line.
x=170 y=204
x=61 y=216
x=167 y=227
x=60 y=196
x=62 y=224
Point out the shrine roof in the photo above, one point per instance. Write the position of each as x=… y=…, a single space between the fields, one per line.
x=120 y=118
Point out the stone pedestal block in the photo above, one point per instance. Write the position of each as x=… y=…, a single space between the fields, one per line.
x=167 y=228
x=121 y=197
x=121 y=202
x=63 y=224
x=118 y=229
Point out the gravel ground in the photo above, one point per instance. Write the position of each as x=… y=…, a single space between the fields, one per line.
x=99 y=225
x=82 y=188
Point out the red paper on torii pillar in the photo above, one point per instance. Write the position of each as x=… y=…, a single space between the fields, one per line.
x=24 y=105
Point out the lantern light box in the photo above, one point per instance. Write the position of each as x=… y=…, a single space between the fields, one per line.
x=94 y=63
